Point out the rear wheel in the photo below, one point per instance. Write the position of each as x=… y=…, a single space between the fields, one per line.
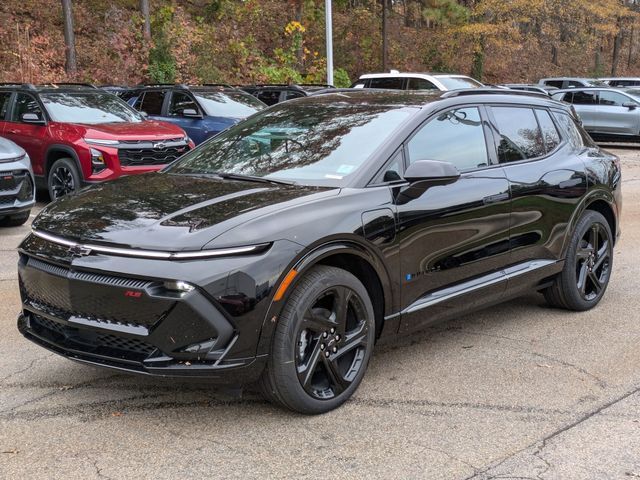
x=322 y=343
x=587 y=268
x=63 y=178
x=15 y=220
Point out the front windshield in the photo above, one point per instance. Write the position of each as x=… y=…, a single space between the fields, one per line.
x=318 y=143
x=88 y=107
x=228 y=103
x=454 y=83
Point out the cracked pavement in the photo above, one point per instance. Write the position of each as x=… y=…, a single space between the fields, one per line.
x=516 y=391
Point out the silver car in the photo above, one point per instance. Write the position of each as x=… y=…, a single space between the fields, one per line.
x=17 y=192
x=605 y=112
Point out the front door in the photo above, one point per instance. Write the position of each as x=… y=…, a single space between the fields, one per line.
x=454 y=239
x=614 y=118
x=31 y=137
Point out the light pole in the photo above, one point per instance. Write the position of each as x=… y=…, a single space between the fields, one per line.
x=329 y=35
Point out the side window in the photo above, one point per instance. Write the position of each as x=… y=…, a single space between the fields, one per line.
x=291 y=94
x=563 y=97
x=569 y=129
x=25 y=104
x=520 y=136
x=550 y=134
x=420 y=84
x=394 y=83
x=585 y=98
x=180 y=102
x=393 y=171
x=554 y=83
x=152 y=102
x=573 y=83
x=4 y=104
x=455 y=136
x=612 y=99
x=270 y=97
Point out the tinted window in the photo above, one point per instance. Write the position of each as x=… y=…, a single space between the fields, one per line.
x=291 y=94
x=456 y=136
x=180 y=102
x=392 y=172
x=420 y=84
x=152 y=102
x=520 y=136
x=26 y=104
x=270 y=97
x=4 y=104
x=584 y=98
x=318 y=143
x=573 y=83
x=91 y=107
x=550 y=134
x=612 y=99
x=393 y=83
x=569 y=129
x=554 y=83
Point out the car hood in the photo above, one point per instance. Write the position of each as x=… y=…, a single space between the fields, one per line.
x=161 y=211
x=147 y=130
x=9 y=150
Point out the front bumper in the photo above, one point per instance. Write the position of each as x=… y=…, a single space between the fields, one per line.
x=17 y=191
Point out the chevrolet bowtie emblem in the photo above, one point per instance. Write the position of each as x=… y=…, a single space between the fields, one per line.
x=79 y=251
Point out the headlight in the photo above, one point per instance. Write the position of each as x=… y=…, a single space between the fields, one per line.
x=13 y=159
x=99 y=141
x=178 y=286
x=97 y=161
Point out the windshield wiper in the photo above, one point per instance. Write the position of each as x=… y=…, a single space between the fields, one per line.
x=252 y=178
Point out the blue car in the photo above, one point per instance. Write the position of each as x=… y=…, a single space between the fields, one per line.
x=201 y=111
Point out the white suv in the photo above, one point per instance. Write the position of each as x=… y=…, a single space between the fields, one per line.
x=416 y=81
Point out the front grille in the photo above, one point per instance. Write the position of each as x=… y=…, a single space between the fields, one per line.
x=131 y=157
x=15 y=185
x=92 y=296
x=90 y=341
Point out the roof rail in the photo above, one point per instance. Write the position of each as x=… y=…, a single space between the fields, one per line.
x=225 y=85
x=284 y=85
x=490 y=91
x=18 y=84
x=69 y=84
x=324 y=85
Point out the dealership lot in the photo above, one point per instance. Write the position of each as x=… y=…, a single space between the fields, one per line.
x=515 y=391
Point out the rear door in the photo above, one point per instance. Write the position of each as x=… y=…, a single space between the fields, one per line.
x=152 y=102
x=547 y=180
x=614 y=118
x=32 y=137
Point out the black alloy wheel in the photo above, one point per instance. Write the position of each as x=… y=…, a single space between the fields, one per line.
x=63 y=178
x=332 y=343
x=322 y=343
x=587 y=268
x=593 y=260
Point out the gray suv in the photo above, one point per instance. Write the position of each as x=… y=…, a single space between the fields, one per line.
x=17 y=193
x=605 y=112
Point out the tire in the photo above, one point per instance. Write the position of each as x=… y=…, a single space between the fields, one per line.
x=587 y=270
x=63 y=178
x=318 y=356
x=15 y=220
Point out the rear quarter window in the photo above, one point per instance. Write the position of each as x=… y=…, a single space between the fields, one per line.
x=392 y=83
x=520 y=137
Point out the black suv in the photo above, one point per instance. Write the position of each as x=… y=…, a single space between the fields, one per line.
x=281 y=250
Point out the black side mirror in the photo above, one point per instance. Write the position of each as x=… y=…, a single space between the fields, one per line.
x=431 y=171
x=32 y=118
x=423 y=175
x=630 y=105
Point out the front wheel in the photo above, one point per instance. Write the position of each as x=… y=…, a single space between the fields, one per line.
x=587 y=268
x=322 y=343
x=63 y=178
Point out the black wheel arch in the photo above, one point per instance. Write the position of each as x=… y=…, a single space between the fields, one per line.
x=349 y=254
x=56 y=152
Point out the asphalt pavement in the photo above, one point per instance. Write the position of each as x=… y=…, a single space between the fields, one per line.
x=519 y=390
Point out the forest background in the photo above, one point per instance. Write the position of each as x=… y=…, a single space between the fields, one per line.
x=249 y=41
